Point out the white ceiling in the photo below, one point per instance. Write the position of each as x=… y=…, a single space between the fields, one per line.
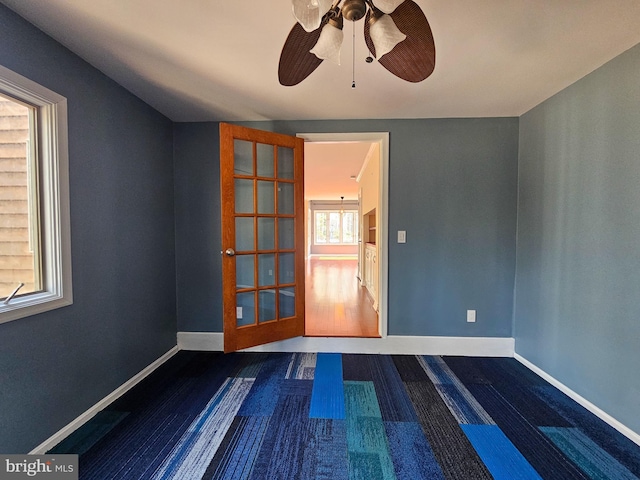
x=329 y=168
x=201 y=60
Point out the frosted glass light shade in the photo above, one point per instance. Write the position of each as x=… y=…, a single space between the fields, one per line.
x=387 y=6
x=329 y=44
x=309 y=13
x=385 y=35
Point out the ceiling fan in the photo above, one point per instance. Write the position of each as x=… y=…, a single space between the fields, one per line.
x=396 y=32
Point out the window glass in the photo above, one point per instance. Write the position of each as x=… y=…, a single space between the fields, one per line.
x=349 y=227
x=322 y=228
x=20 y=264
x=335 y=227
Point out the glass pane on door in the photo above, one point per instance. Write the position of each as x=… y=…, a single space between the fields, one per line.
x=287 y=267
x=245 y=276
x=265 y=160
x=266 y=233
x=267 y=302
x=245 y=308
x=287 y=302
x=243 y=195
x=285 y=198
x=285 y=163
x=244 y=234
x=266 y=197
x=286 y=235
x=242 y=157
x=266 y=270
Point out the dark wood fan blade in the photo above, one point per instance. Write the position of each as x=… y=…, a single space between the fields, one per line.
x=414 y=58
x=296 y=62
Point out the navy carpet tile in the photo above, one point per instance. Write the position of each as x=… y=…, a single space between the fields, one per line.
x=607 y=438
x=594 y=461
x=451 y=447
x=325 y=416
x=236 y=455
x=548 y=460
x=393 y=400
x=411 y=454
x=82 y=439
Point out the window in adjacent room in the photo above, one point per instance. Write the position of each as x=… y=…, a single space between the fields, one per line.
x=35 y=268
x=336 y=227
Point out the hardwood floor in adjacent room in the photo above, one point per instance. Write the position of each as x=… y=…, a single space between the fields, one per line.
x=336 y=304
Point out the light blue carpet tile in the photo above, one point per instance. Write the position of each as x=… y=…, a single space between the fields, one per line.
x=327 y=397
x=503 y=460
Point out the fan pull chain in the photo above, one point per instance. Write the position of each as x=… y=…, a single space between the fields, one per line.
x=353 y=57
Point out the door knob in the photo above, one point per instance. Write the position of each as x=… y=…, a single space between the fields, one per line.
x=229 y=252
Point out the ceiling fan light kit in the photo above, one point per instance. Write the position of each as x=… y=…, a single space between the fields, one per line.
x=309 y=13
x=388 y=6
x=330 y=41
x=385 y=35
x=396 y=32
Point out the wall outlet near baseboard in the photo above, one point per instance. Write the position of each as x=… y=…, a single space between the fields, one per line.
x=471 y=315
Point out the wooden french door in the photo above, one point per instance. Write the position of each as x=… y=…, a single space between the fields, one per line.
x=262 y=201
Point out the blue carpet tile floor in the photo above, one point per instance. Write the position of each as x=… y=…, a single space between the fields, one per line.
x=205 y=415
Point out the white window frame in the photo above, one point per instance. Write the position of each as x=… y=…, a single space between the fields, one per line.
x=55 y=222
x=327 y=211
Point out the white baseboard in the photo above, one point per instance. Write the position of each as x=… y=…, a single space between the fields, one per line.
x=468 y=346
x=201 y=341
x=598 y=412
x=101 y=405
x=408 y=345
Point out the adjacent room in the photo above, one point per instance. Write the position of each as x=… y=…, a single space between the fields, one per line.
x=157 y=209
x=341 y=196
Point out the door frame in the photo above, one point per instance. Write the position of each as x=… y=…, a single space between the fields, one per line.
x=382 y=138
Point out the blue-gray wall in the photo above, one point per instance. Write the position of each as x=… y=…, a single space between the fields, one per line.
x=56 y=365
x=452 y=187
x=198 y=232
x=577 y=301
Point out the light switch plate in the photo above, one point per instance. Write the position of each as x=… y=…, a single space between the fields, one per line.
x=471 y=315
x=402 y=236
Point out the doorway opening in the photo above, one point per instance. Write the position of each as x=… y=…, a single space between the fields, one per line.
x=346 y=224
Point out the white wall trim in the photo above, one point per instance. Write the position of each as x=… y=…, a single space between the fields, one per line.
x=598 y=412
x=396 y=345
x=101 y=405
x=367 y=159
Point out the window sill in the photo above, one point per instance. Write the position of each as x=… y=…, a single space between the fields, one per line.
x=33 y=305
